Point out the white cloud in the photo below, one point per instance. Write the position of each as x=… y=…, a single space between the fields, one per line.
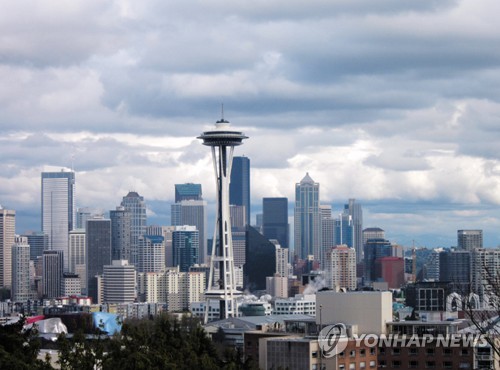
x=390 y=102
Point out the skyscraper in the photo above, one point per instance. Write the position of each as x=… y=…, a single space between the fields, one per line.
x=344 y=230
x=119 y=280
x=454 y=266
x=327 y=232
x=134 y=203
x=349 y=228
x=307 y=219
x=193 y=213
x=21 y=270
x=238 y=216
x=7 y=234
x=275 y=220
x=120 y=233
x=239 y=187
x=260 y=260
x=469 y=240
x=151 y=256
x=187 y=191
x=98 y=239
x=340 y=267
x=374 y=250
x=77 y=256
x=185 y=246
x=373 y=233
x=58 y=209
x=222 y=141
x=53 y=269
x=38 y=242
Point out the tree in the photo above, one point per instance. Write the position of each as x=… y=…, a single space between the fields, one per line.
x=19 y=349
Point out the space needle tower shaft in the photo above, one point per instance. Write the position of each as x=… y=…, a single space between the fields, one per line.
x=222 y=140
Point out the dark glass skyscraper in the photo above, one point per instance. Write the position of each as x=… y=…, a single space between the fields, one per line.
x=98 y=240
x=374 y=250
x=275 y=220
x=120 y=234
x=185 y=245
x=239 y=188
x=38 y=243
x=260 y=260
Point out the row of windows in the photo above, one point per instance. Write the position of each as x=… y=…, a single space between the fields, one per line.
x=396 y=364
x=413 y=351
x=362 y=365
x=362 y=352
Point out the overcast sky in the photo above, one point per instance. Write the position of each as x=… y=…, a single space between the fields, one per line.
x=392 y=102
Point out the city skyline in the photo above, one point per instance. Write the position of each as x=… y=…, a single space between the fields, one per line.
x=394 y=104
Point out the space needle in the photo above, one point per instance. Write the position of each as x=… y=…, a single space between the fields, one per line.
x=222 y=140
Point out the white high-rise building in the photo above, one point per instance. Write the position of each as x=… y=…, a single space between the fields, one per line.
x=485 y=267
x=175 y=288
x=119 y=280
x=58 y=209
x=7 y=234
x=21 y=270
x=77 y=257
x=340 y=268
x=151 y=254
x=282 y=261
x=277 y=286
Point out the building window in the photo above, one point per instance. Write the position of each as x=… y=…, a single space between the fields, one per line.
x=396 y=364
x=373 y=351
x=362 y=352
x=342 y=354
x=447 y=365
x=464 y=365
x=362 y=365
x=413 y=364
x=352 y=353
x=341 y=367
x=464 y=352
x=396 y=351
x=413 y=351
x=352 y=366
x=447 y=351
x=430 y=364
x=382 y=351
x=430 y=351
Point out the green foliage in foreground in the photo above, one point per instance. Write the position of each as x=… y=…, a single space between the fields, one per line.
x=161 y=343
x=18 y=349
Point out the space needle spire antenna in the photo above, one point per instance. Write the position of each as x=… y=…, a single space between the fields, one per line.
x=222 y=140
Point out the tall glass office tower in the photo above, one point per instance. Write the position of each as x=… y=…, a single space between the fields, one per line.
x=239 y=187
x=58 y=209
x=307 y=219
x=135 y=205
x=275 y=220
